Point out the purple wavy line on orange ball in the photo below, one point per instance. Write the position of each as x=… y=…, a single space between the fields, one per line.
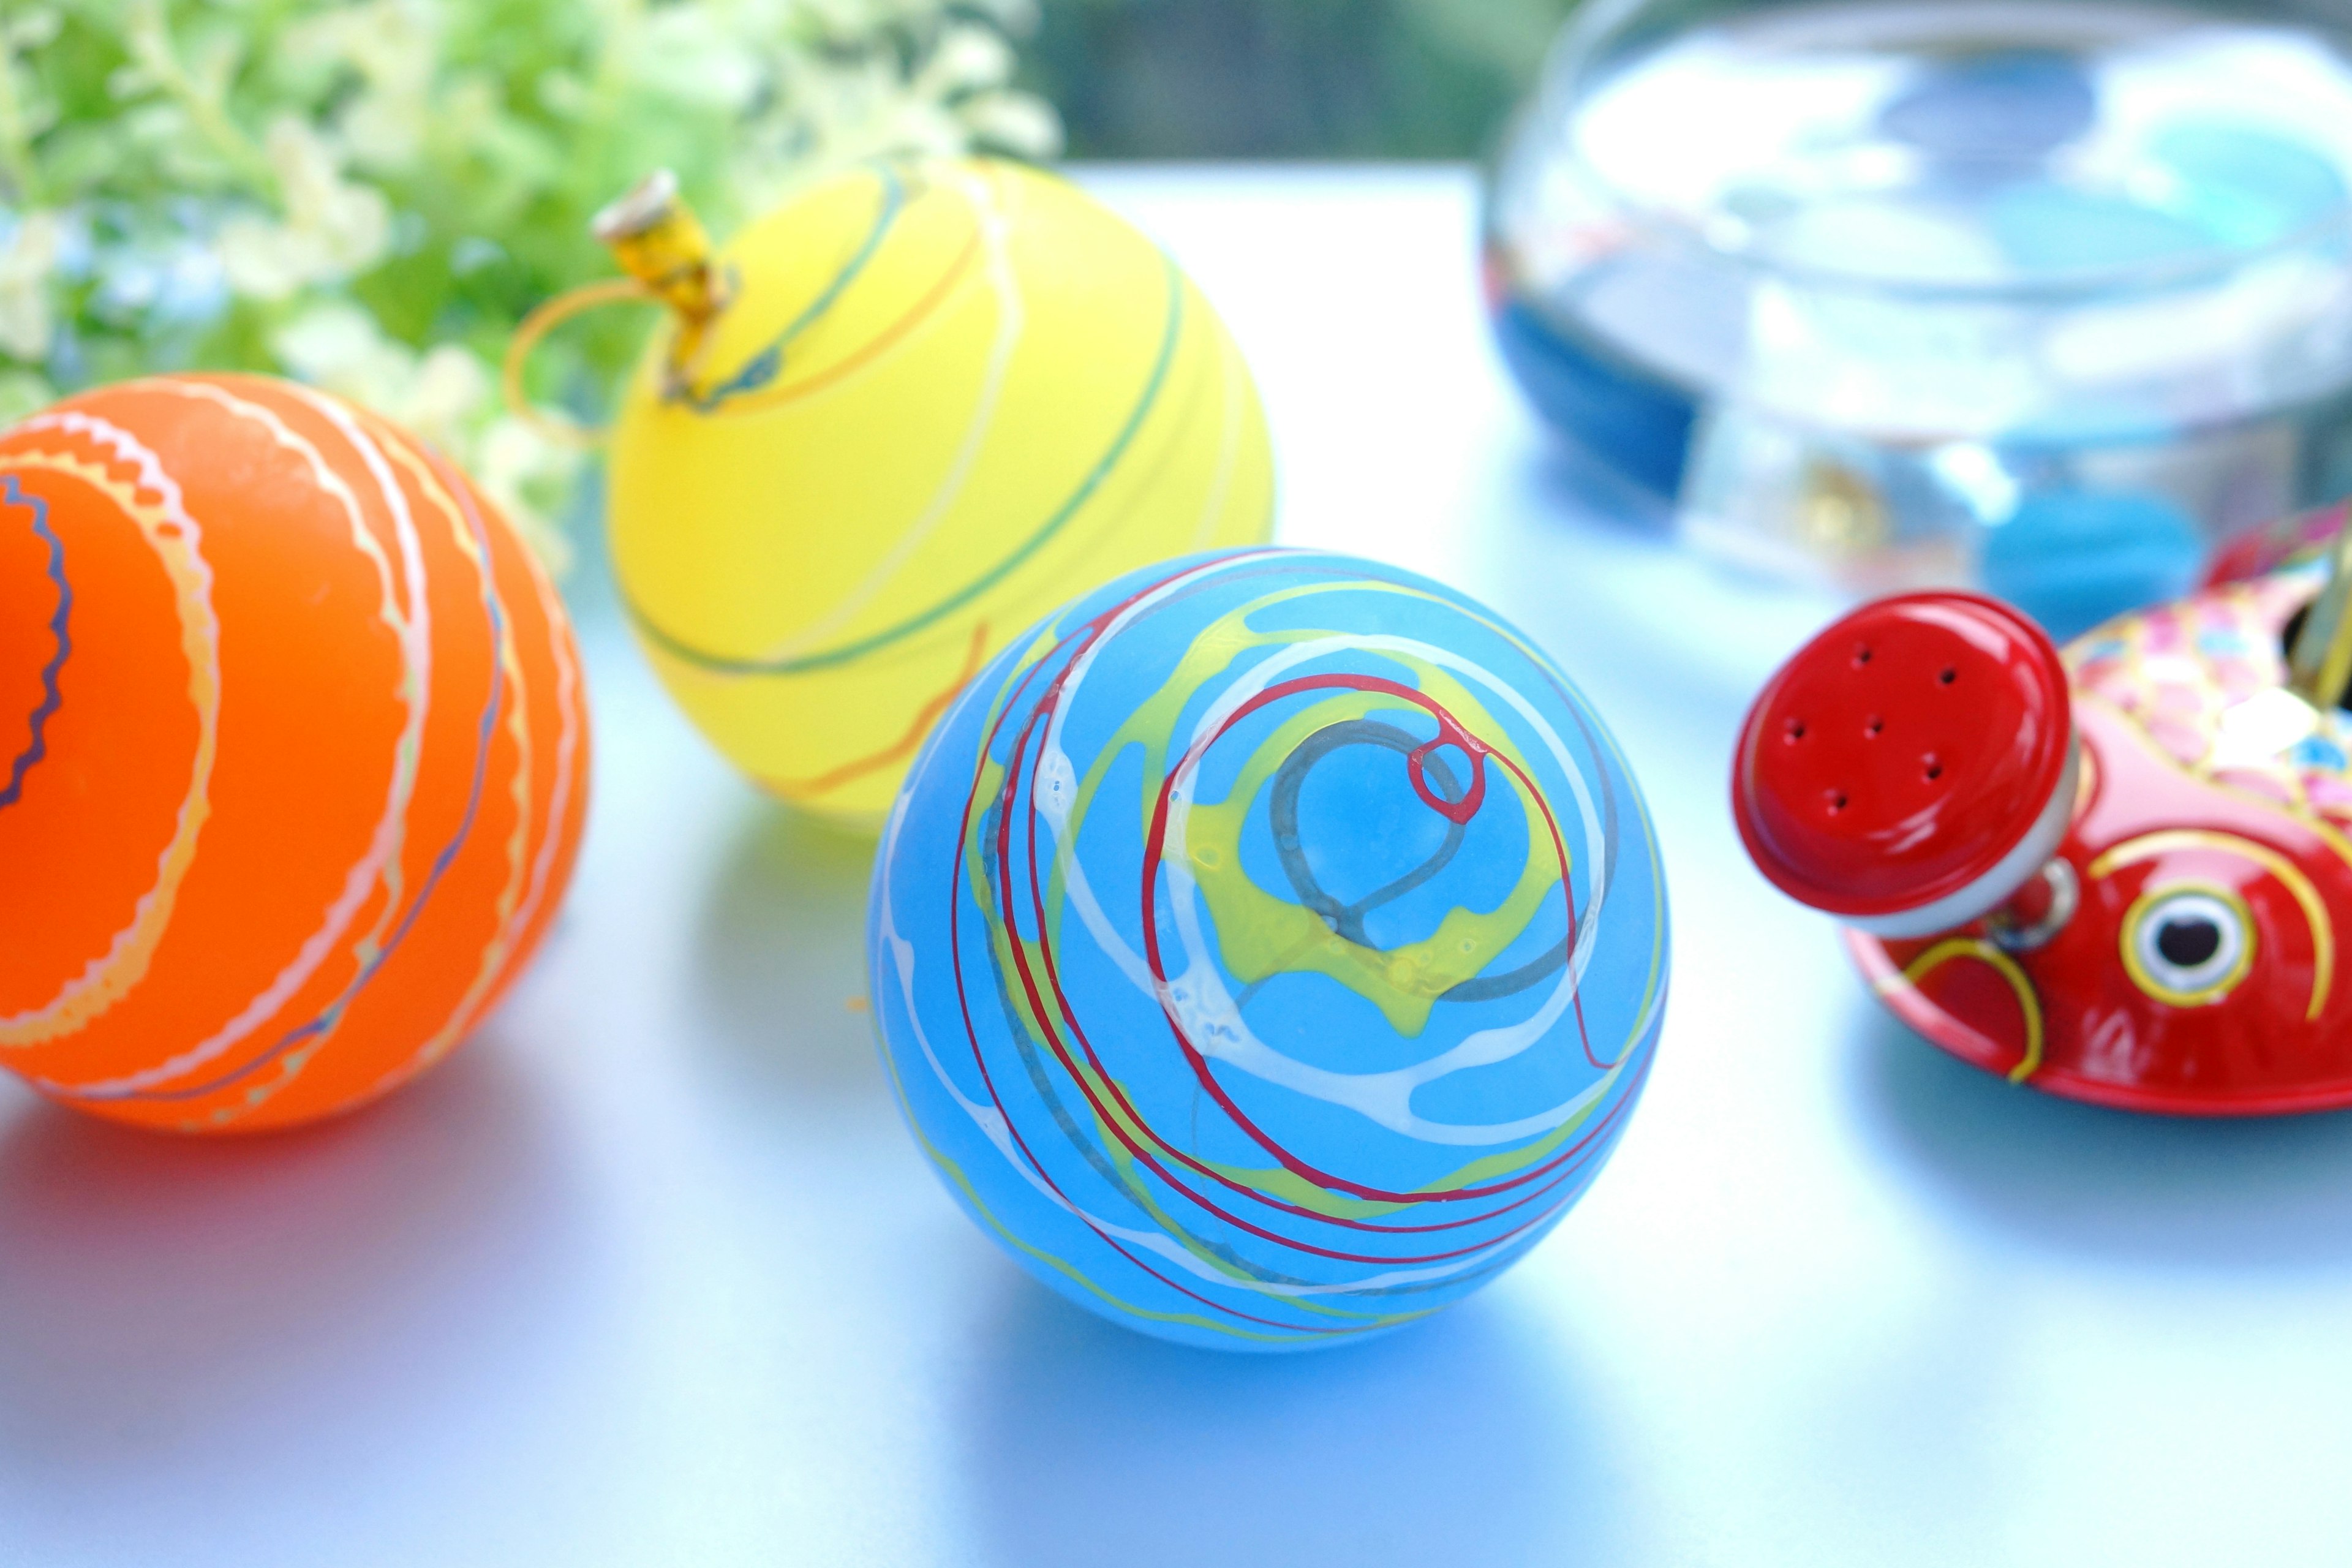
x=61 y=627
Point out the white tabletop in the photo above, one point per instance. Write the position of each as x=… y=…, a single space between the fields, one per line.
x=650 y=1274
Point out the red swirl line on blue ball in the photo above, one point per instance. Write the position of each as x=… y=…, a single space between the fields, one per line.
x=1562 y=1169
x=1055 y=1041
x=1051 y=968
x=1152 y=852
x=61 y=627
x=1090 y=632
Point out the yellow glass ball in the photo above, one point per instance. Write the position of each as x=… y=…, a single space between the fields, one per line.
x=941 y=397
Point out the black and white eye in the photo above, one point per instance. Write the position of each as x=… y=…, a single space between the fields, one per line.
x=2187 y=945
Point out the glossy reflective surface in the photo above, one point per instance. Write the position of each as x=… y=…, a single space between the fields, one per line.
x=1902 y=753
x=2182 y=950
x=651 y=1274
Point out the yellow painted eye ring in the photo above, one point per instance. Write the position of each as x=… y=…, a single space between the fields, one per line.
x=2138 y=923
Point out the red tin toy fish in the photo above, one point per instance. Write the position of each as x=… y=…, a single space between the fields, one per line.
x=2120 y=874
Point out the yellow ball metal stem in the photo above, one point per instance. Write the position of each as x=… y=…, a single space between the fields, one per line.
x=929 y=401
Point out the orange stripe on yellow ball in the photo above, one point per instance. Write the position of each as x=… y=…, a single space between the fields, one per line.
x=947 y=395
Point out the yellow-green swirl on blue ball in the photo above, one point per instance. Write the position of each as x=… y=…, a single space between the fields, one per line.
x=1269 y=948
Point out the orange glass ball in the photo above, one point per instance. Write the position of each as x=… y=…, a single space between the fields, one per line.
x=293 y=754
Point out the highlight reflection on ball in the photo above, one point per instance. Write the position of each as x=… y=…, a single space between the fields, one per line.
x=941 y=397
x=1269 y=948
x=293 y=754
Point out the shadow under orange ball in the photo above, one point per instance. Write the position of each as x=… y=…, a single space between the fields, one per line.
x=293 y=754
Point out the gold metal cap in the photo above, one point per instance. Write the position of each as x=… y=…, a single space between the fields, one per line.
x=657 y=240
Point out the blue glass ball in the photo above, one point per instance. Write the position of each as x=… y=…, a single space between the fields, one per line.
x=1269 y=948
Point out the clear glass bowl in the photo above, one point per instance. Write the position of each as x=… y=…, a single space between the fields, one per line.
x=2045 y=297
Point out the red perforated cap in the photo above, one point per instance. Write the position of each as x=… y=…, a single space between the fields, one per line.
x=1902 y=754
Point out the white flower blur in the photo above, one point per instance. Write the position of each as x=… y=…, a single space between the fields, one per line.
x=333 y=228
x=368 y=193
x=25 y=264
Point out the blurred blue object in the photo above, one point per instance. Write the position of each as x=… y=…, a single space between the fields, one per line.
x=1980 y=108
x=2072 y=559
x=1787 y=263
x=1642 y=424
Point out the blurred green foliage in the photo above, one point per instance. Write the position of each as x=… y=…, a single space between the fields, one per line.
x=370 y=193
x=1291 y=78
